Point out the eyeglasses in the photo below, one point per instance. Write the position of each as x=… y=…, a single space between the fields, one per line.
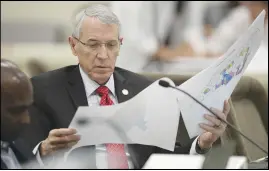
x=112 y=45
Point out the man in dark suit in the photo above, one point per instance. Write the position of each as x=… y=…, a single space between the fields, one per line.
x=16 y=97
x=96 y=81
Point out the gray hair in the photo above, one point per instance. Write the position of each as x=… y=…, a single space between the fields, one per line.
x=102 y=12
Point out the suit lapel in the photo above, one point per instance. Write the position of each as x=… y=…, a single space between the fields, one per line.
x=123 y=89
x=22 y=151
x=76 y=88
x=77 y=92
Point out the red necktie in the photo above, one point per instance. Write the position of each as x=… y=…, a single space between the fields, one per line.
x=117 y=158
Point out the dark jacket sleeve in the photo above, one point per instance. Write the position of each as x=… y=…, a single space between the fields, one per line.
x=40 y=123
x=179 y=149
x=39 y=127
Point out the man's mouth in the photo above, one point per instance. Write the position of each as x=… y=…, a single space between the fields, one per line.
x=101 y=66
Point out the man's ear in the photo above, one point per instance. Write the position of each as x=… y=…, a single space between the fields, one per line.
x=72 y=45
x=119 y=46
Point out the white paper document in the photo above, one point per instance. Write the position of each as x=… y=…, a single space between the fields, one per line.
x=216 y=83
x=172 y=161
x=149 y=118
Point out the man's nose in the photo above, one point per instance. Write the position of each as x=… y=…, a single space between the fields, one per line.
x=102 y=52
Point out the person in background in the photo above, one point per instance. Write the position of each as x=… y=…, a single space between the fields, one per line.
x=145 y=26
x=232 y=27
x=161 y=30
x=16 y=97
x=36 y=67
x=201 y=18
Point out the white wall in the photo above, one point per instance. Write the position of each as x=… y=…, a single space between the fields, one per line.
x=47 y=11
x=38 y=21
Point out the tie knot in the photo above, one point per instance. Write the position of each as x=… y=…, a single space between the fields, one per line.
x=102 y=91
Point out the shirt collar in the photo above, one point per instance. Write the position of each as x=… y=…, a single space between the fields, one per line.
x=91 y=86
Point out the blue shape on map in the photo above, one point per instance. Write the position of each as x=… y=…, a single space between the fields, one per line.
x=226 y=78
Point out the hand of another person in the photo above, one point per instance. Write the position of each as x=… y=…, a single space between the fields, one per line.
x=185 y=50
x=164 y=54
x=59 y=139
x=214 y=130
x=168 y=54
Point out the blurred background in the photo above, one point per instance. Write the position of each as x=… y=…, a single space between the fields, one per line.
x=160 y=36
x=163 y=37
x=37 y=32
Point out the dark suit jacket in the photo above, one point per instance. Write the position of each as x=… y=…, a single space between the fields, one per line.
x=58 y=94
x=22 y=152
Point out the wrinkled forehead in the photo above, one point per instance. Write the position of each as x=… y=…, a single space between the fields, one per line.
x=93 y=28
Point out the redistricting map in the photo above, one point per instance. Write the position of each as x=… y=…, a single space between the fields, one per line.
x=227 y=74
x=229 y=68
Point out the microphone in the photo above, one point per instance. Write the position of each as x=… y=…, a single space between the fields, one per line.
x=166 y=84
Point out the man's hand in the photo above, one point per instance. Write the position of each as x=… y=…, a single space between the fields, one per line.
x=215 y=129
x=59 y=139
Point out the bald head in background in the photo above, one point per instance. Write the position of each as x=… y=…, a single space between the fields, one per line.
x=16 y=97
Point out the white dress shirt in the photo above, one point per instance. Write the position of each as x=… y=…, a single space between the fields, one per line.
x=94 y=99
x=9 y=158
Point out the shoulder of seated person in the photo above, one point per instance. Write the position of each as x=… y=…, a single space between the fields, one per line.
x=53 y=75
x=133 y=77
